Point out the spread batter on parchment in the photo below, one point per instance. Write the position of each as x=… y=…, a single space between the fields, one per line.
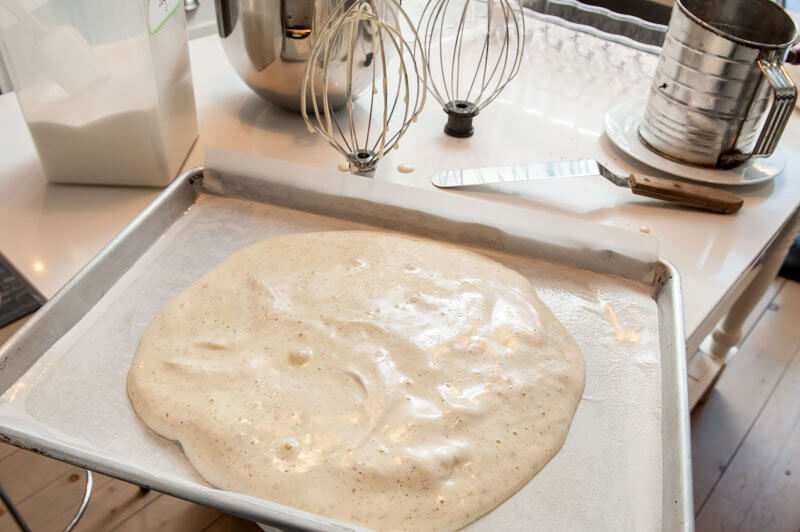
x=386 y=380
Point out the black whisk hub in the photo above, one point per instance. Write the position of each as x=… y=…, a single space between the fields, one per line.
x=459 y=118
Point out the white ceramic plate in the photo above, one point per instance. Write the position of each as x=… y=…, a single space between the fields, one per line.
x=622 y=126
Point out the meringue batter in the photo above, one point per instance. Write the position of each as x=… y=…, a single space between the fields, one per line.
x=385 y=380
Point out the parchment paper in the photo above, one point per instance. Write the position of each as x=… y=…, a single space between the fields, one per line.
x=607 y=476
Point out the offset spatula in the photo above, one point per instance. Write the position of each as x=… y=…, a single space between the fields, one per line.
x=688 y=194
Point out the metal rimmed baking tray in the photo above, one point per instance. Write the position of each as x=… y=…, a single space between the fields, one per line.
x=65 y=344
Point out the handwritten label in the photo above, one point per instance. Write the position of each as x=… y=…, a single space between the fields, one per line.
x=159 y=11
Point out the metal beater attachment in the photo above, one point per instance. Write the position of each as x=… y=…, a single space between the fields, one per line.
x=474 y=48
x=379 y=35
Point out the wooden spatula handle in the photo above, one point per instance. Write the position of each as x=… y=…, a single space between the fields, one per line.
x=688 y=194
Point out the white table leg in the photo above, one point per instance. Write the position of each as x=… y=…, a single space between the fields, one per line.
x=721 y=344
x=729 y=331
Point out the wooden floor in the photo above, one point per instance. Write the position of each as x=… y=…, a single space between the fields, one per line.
x=746 y=433
x=745 y=446
x=48 y=492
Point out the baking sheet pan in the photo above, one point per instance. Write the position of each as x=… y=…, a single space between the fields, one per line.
x=625 y=464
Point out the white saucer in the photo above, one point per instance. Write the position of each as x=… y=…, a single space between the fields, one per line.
x=622 y=127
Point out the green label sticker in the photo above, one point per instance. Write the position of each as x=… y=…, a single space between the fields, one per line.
x=159 y=11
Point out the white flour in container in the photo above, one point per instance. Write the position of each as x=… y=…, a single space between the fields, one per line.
x=115 y=132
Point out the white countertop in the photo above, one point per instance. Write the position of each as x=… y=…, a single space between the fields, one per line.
x=50 y=231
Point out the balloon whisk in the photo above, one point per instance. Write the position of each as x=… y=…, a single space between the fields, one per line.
x=376 y=37
x=471 y=64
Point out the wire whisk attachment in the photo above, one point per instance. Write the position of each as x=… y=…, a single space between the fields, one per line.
x=359 y=34
x=474 y=49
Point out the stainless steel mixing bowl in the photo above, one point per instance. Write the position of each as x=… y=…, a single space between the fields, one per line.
x=268 y=42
